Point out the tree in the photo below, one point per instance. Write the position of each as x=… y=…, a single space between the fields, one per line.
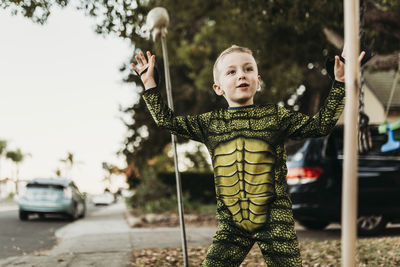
x=3 y=146
x=198 y=160
x=37 y=10
x=69 y=164
x=290 y=39
x=110 y=171
x=57 y=172
x=17 y=157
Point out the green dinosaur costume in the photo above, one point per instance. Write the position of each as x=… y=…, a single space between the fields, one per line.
x=246 y=145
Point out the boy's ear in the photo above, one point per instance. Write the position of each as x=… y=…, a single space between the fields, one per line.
x=218 y=89
x=259 y=81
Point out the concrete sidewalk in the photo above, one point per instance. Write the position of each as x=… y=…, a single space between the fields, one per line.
x=8 y=204
x=105 y=239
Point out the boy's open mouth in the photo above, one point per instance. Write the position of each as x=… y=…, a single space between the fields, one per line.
x=243 y=85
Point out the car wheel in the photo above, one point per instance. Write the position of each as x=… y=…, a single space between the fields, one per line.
x=370 y=224
x=23 y=215
x=314 y=224
x=83 y=212
x=74 y=214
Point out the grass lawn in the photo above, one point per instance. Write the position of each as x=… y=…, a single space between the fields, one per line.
x=378 y=251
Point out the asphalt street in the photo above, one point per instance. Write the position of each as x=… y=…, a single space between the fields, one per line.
x=24 y=237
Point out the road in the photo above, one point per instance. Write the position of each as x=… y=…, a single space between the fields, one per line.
x=22 y=237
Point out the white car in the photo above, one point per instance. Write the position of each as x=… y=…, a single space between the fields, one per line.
x=105 y=198
x=52 y=196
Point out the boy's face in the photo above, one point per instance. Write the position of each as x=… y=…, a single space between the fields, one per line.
x=237 y=79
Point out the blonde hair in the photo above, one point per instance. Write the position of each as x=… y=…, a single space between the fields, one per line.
x=230 y=50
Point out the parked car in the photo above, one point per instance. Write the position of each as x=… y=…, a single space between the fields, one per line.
x=105 y=198
x=315 y=182
x=52 y=196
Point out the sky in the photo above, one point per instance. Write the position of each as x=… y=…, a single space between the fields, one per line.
x=60 y=92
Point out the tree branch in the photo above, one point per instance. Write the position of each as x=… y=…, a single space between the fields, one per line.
x=334 y=38
x=386 y=21
x=377 y=62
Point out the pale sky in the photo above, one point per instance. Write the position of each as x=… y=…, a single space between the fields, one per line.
x=60 y=91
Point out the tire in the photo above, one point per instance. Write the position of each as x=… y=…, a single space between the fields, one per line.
x=74 y=215
x=83 y=212
x=23 y=215
x=314 y=224
x=368 y=225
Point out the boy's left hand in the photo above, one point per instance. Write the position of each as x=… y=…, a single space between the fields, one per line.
x=339 y=66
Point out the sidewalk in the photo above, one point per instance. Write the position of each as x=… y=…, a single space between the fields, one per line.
x=8 y=204
x=104 y=239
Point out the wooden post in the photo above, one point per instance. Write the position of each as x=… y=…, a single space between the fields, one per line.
x=350 y=157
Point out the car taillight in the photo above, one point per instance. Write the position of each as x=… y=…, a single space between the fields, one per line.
x=303 y=175
x=67 y=193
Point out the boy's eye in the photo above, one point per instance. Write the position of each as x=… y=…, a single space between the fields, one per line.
x=230 y=72
x=249 y=69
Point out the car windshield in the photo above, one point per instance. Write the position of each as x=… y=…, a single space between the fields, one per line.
x=310 y=150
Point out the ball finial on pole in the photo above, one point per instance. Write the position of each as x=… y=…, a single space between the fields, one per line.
x=157 y=22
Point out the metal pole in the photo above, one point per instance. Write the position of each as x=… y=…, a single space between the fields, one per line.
x=173 y=138
x=350 y=157
x=157 y=21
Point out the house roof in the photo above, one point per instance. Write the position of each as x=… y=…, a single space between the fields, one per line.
x=380 y=84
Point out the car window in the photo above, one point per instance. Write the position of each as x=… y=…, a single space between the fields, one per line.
x=315 y=149
x=312 y=148
x=293 y=146
x=48 y=186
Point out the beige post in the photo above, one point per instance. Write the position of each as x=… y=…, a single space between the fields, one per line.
x=350 y=159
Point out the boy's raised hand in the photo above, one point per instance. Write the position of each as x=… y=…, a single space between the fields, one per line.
x=145 y=69
x=339 y=66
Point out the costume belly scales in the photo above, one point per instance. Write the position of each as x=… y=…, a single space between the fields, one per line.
x=246 y=145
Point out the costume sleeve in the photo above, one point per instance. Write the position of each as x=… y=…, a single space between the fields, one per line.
x=192 y=127
x=298 y=125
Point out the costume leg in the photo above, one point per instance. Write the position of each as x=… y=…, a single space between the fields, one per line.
x=229 y=248
x=278 y=241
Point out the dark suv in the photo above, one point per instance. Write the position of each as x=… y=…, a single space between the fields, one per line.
x=315 y=182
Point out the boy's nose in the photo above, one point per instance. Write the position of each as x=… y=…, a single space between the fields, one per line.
x=241 y=75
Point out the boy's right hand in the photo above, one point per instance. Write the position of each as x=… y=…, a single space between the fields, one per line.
x=145 y=69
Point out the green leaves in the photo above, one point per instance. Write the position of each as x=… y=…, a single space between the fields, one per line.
x=38 y=11
x=382 y=251
x=15 y=155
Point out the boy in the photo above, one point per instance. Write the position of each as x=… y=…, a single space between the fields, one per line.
x=246 y=144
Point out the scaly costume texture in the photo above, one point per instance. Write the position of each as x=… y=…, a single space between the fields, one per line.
x=246 y=145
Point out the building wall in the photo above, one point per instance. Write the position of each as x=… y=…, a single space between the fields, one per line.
x=394 y=116
x=372 y=107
